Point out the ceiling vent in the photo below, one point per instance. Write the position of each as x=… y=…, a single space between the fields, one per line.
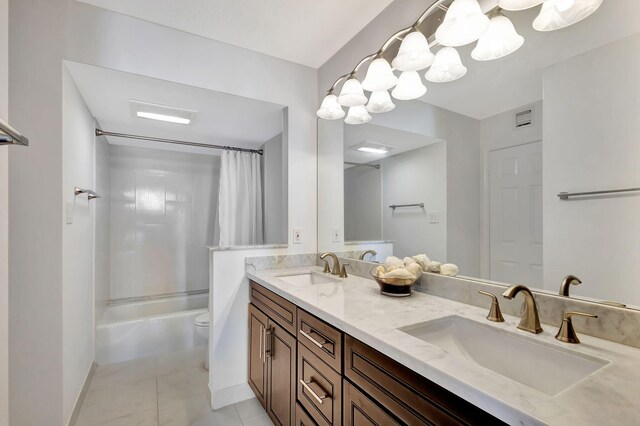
x=524 y=118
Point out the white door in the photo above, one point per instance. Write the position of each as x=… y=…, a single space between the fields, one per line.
x=515 y=211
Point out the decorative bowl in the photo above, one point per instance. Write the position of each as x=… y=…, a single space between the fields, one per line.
x=394 y=287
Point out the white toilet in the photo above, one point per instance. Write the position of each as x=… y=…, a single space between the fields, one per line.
x=202 y=330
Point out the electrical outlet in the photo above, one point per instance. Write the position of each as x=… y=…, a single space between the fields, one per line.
x=297 y=236
x=336 y=235
x=434 y=217
x=69 y=213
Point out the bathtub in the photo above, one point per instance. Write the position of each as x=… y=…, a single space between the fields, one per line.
x=137 y=329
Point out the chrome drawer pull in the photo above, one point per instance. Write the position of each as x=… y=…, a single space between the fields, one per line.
x=319 y=398
x=314 y=341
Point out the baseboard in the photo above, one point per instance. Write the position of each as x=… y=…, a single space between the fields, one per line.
x=76 y=409
x=231 y=395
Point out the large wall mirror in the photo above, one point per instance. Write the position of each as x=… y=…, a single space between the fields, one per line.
x=471 y=173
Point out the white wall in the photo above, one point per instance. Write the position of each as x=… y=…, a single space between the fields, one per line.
x=4 y=220
x=362 y=203
x=65 y=29
x=274 y=218
x=418 y=176
x=591 y=142
x=78 y=166
x=498 y=132
x=163 y=210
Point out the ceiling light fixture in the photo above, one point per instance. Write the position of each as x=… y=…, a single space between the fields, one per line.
x=163 y=117
x=515 y=5
x=463 y=22
x=330 y=108
x=557 y=14
x=373 y=150
x=500 y=40
x=446 y=67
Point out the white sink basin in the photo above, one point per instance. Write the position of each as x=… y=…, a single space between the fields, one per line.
x=310 y=278
x=545 y=368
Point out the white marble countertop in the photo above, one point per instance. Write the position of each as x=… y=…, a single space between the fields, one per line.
x=610 y=395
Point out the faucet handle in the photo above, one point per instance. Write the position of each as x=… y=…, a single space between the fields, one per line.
x=567 y=333
x=326 y=269
x=343 y=271
x=495 y=314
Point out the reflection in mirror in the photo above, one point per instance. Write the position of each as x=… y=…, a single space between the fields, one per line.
x=488 y=154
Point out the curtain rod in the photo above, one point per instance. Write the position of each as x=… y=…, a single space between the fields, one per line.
x=100 y=132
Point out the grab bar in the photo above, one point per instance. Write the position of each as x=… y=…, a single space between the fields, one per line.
x=566 y=195
x=90 y=194
x=10 y=136
x=395 y=206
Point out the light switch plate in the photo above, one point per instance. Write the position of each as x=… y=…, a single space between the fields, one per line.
x=434 y=217
x=297 y=235
x=336 y=235
x=69 y=213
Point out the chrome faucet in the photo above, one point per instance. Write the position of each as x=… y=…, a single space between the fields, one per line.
x=373 y=253
x=336 y=263
x=530 y=321
x=566 y=283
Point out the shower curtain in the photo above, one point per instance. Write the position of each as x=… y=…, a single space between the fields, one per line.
x=240 y=199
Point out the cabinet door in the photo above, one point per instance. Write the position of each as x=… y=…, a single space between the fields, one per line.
x=281 y=362
x=361 y=411
x=258 y=323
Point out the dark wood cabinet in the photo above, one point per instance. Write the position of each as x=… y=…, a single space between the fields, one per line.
x=258 y=324
x=281 y=373
x=359 y=410
x=306 y=372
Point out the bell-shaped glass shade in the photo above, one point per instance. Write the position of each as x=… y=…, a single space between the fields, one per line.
x=518 y=4
x=357 y=115
x=446 y=66
x=352 y=94
x=380 y=101
x=464 y=23
x=330 y=108
x=379 y=76
x=409 y=86
x=556 y=14
x=500 y=40
x=414 y=53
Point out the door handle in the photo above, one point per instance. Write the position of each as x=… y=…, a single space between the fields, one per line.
x=319 y=398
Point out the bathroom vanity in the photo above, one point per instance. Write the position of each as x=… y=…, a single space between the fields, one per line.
x=328 y=351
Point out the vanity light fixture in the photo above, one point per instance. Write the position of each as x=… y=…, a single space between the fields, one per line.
x=330 y=108
x=379 y=102
x=414 y=53
x=409 y=86
x=357 y=115
x=515 y=5
x=379 y=76
x=446 y=67
x=557 y=14
x=464 y=23
x=352 y=94
x=500 y=40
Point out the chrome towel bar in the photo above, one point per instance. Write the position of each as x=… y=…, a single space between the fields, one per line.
x=90 y=194
x=567 y=195
x=10 y=136
x=395 y=206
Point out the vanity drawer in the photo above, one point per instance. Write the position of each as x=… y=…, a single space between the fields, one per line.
x=319 y=388
x=410 y=397
x=320 y=338
x=302 y=418
x=359 y=410
x=276 y=307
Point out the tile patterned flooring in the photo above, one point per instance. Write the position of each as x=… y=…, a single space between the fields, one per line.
x=169 y=389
